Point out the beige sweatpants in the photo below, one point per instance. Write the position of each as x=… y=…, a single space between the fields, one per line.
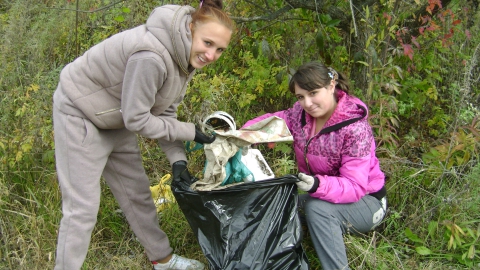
x=83 y=154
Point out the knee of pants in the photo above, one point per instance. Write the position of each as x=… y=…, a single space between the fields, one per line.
x=82 y=217
x=313 y=207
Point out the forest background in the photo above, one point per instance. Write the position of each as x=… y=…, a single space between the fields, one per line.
x=415 y=63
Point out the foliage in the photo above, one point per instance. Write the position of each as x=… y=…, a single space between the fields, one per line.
x=458 y=234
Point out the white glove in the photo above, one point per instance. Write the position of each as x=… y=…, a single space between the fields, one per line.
x=307 y=183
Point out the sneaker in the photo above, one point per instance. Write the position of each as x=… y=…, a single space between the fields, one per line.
x=179 y=263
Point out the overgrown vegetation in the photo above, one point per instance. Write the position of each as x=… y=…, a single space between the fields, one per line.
x=416 y=64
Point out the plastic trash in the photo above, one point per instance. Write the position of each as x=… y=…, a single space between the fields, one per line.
x=220 y=120
x=162 y=193
x=248 y=226
x=256 y=163
x=236 y=171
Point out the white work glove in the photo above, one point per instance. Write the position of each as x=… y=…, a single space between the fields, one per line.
x=307 y=183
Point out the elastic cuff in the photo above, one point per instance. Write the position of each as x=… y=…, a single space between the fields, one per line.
x=316 y=183
x=180 y=162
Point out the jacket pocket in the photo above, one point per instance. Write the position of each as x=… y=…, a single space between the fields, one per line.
x=107 y=111
x=109 y=119
x=90 y=132
x=102 y=108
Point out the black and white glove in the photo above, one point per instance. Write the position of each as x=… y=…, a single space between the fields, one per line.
x=203 y=138
x=181 y=173
x=307 y=183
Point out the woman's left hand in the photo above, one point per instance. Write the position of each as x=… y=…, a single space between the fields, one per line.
x=203 y=138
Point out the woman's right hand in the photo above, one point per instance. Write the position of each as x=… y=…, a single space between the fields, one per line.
x=307 y=183
x=181 y=173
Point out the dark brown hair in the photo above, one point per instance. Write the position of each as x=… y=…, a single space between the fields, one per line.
x=211 y=11
x=315 y=75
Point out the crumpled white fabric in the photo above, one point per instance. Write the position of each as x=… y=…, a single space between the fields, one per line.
x=227 y=144
x=217 y=154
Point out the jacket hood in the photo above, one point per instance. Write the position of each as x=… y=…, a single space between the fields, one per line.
x=348 y=107
x=170 y=25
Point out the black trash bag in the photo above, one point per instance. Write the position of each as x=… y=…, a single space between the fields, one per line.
x=247 y=226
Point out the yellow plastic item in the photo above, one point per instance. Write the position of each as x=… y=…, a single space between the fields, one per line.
x=162 y=193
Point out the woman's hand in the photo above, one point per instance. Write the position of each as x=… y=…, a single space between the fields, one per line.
x=307 y=183
x=181 y=173
x=203 y=138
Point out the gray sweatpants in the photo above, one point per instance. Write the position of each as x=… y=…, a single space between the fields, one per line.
x=327 y=222
x=83 y=154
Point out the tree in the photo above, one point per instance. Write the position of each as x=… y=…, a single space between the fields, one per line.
x=348 y=14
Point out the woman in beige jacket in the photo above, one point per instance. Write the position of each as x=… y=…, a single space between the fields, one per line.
x=129 y=84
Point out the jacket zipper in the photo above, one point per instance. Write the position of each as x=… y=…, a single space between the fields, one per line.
x=107 y=111
x=305 y=151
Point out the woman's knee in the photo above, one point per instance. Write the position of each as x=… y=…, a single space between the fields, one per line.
x=317 y=207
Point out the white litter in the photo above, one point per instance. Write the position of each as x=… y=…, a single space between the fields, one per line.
x=256 y=163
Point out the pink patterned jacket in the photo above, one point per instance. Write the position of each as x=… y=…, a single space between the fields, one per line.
x=342 y=155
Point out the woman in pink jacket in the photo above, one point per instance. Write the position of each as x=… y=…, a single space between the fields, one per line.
x=335 y=152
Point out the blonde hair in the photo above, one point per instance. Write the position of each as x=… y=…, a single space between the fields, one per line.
x=211 y=11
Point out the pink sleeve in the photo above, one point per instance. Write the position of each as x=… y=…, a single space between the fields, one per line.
x=280 y=114
x=350 y=186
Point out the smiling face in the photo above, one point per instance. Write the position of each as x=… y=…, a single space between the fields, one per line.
x=208 y=43
x=319 y=103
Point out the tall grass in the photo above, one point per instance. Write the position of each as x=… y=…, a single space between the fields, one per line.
x=432 y=221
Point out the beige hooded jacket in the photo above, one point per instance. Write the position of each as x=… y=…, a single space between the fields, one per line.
x=136 y=79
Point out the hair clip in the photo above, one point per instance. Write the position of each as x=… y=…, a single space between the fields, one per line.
x=332 y=73
x=201 y=3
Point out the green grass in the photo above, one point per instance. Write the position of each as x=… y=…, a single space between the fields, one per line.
x=30 y=215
